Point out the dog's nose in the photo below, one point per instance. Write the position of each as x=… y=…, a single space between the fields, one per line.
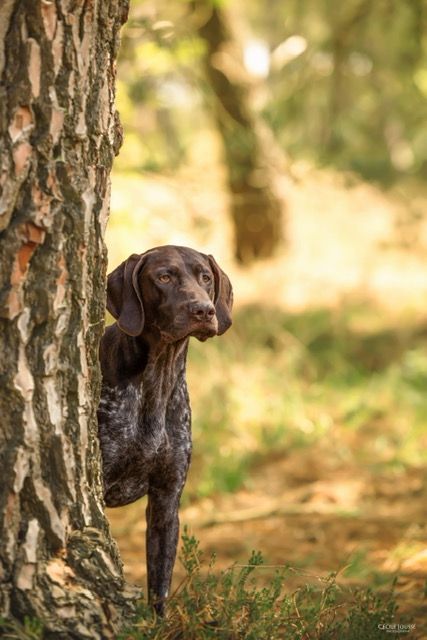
x=202 y=310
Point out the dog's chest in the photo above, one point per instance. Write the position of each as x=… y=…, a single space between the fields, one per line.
x=120 y=412
x=141 y=435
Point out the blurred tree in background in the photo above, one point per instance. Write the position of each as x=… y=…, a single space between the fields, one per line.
x=256 y=209
x=208 y=41
x=341 y=84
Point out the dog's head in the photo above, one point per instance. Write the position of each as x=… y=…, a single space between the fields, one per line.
x=175 y=291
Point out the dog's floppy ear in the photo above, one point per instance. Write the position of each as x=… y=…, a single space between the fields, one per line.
x=124 y=300
x=223 y=299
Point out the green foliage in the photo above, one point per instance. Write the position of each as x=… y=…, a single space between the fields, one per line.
x=30 y=629
x=278 y=381
x=158 y=86
x=232 y=605
x=353 y=96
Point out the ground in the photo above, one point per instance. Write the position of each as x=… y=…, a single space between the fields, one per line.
x=307 y=511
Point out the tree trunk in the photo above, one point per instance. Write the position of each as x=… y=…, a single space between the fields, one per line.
x=255 y=208
x=58 y=134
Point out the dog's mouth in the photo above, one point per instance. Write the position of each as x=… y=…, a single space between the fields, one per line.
x=205 y=332
x=200 y=330
x=204 y=329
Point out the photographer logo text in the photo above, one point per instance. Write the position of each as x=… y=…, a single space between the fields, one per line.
x=395 y=627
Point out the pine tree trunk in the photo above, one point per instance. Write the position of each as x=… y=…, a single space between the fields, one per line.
x=58 y=135
x=255 y=208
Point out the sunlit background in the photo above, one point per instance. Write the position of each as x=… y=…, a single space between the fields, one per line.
x=309 y=415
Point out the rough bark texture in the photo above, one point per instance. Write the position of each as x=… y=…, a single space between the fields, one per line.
x=58 y=134
x=255 y=208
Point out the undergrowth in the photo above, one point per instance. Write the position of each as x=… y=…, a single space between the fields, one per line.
x=30 y=629
x=234 y=604
x=231 y=605
x=281 y=381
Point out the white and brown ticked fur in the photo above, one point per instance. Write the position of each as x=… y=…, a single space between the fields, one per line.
x=159 y=300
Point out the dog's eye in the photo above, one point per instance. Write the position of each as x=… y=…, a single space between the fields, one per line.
x=206 y=278
x=164 y=278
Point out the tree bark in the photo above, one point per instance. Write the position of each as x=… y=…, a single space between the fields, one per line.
x=58 y=135
x=256 y=210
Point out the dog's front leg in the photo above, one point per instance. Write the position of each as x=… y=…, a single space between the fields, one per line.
x=162 y=541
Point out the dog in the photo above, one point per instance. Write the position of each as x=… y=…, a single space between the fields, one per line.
x=159 y=299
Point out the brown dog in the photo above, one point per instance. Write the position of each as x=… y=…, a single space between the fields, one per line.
x=159 y=299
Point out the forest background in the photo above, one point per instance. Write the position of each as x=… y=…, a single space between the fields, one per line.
x=310 y=414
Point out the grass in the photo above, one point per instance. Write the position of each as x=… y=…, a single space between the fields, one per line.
x=30 y=629
x=279 y=381
x=231 y=605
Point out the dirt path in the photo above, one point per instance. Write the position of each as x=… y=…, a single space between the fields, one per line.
x=320 y=517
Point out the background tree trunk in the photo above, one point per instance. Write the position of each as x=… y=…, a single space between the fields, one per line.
x=255 y=208
x=58 y=133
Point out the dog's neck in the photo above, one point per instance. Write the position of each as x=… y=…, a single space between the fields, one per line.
x=165 y=364
x=154 y=368
x=163 y=373
x=144 y=359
